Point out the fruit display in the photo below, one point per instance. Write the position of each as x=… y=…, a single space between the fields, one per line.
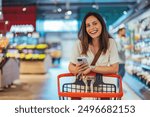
x=41 y=56
x=3 y=43
x=20 y=47
x=30 y=46
x=41 y=46
x=28 y=56
x=28 y=52
x=35 y=56
x=22 y=55
x=12 y=55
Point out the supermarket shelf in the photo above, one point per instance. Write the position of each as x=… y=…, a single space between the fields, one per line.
x=137 y=86
x=146 y=67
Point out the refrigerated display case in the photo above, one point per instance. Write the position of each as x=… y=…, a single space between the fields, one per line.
x=138 y=66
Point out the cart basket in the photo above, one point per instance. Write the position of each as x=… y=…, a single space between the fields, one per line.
x=100 y=91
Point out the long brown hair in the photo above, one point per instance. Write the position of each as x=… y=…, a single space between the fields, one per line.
x=86 y=39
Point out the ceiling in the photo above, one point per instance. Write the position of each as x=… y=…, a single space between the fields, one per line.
x=50 y=9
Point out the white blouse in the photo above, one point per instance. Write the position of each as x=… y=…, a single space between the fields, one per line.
x=107 y=59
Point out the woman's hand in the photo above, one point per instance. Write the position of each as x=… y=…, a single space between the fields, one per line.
x=87 y=71
x=81 y=67
x=77 y=68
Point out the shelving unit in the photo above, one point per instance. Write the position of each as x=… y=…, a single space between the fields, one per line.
x=138 y=66
x=31 y=53
x=34 y=60
x=137 y=86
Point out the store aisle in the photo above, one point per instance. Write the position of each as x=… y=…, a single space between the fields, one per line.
x=129 y=94
x=44 y=87
x=50 y=88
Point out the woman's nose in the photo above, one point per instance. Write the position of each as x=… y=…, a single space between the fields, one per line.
x=91 y=27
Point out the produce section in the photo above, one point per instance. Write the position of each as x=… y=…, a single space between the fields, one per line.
x=29 y=51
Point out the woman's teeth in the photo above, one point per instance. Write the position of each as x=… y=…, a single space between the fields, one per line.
x=93 y=32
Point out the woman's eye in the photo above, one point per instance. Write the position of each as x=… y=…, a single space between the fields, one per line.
x=94 y=23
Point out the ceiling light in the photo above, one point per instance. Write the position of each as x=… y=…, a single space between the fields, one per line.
x=124 y=12
x=59 y=9
x=24 y=9
x=69 y=12
x=6 y=22
x=95 y=6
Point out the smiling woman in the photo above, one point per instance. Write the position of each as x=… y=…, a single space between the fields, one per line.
x=96 y=44
x=94 y=37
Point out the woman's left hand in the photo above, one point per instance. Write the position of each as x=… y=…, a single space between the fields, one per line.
x=87 y=71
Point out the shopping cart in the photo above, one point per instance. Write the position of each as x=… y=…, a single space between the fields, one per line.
x=101 y=90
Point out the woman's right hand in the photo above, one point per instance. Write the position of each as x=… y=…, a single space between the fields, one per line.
x=81 y=67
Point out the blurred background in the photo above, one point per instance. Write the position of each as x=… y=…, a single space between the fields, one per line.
x=36 y=39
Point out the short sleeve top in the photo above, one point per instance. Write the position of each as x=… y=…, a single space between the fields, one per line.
x=107 y=59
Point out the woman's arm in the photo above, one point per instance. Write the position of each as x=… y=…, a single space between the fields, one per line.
x=112 y=69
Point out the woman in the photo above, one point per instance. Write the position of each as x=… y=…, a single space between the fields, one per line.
x=93 y=36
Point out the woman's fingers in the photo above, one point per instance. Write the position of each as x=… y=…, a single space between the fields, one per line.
x=84 y=65
x=81 y=67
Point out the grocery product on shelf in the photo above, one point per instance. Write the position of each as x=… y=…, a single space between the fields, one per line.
x=41 y=46
x=26 y=48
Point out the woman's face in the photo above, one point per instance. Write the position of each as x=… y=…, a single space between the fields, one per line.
x=93 y=27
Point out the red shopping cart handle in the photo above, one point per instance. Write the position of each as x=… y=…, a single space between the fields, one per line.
x=90 y=74
x=88 y=94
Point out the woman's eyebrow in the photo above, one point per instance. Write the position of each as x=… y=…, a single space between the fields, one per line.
x=94 y=21
x=91 y=22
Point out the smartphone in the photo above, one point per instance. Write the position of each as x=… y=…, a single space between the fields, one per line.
x=82 y=60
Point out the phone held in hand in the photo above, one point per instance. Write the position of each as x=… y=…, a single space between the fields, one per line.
x=82 y=60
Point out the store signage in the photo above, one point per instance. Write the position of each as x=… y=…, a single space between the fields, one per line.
x=22 y=28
